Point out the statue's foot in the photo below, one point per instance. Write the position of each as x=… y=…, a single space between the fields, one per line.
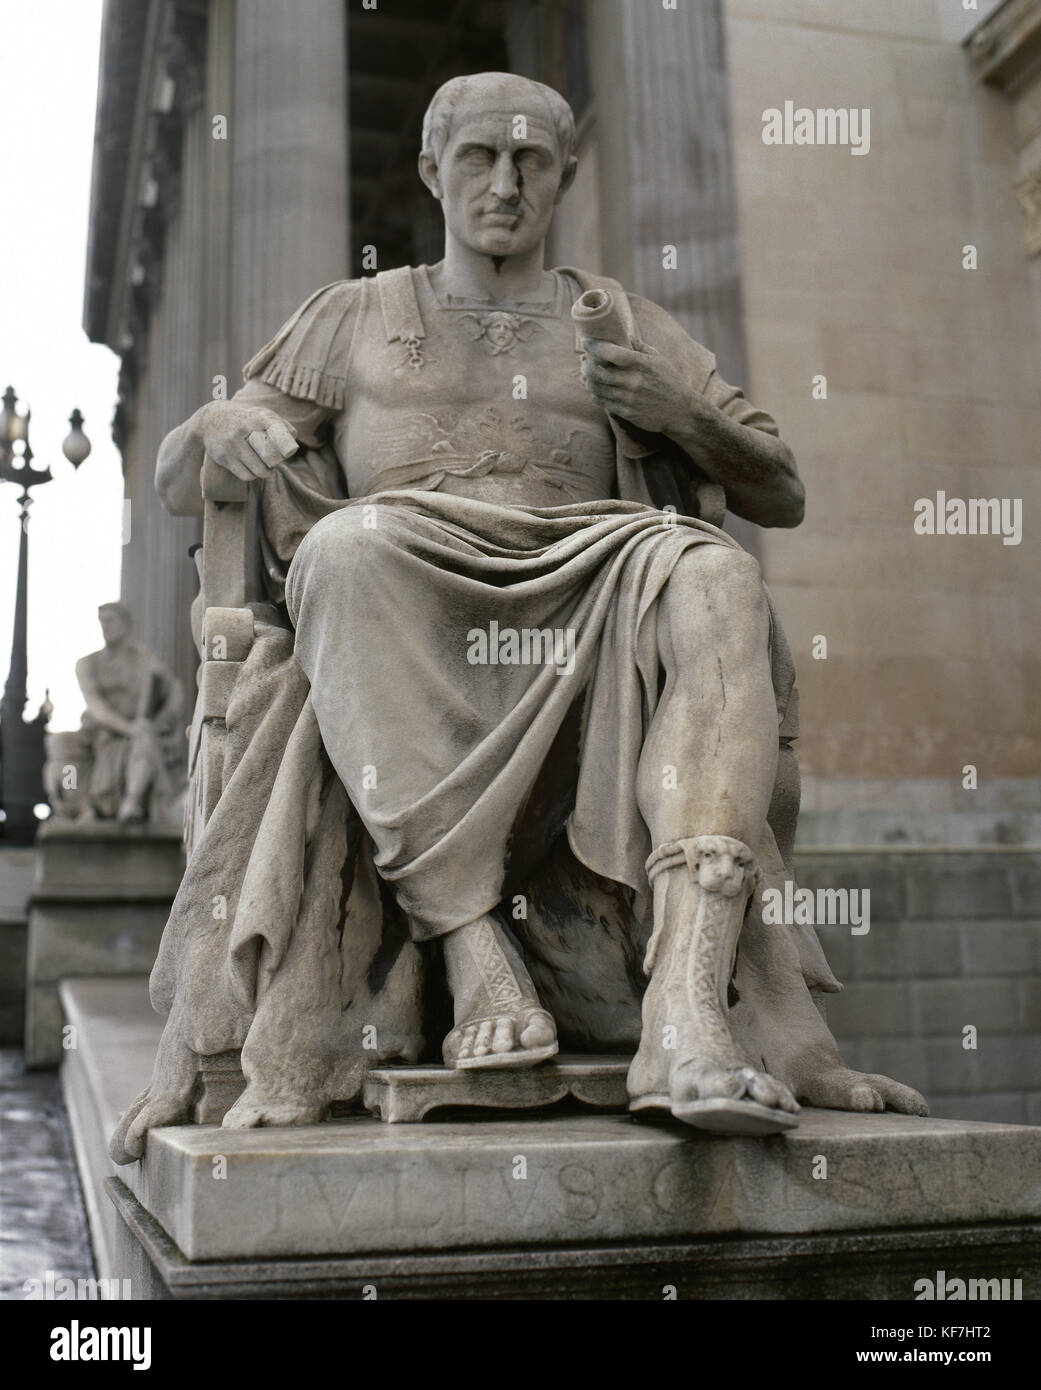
x=687 y=1064
x=728 y=1097
x=148 y=1111
x=499 y=1020
x=166 y=1100
x=251 y=1111
x=840 y=1088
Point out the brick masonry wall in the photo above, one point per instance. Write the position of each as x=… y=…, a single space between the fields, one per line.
x=955 y=939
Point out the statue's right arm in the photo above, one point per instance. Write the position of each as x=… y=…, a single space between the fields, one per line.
x=245 y=438
x=262 y=426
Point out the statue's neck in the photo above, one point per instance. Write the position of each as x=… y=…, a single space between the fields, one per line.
x=468 y=274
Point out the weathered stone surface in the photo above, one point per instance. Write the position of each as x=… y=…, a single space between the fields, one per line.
x=355 y=1185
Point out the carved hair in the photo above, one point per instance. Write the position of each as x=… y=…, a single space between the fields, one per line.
x=437 y=123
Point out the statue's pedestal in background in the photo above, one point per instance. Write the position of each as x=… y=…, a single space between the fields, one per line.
x=100 y=899
x=550 y=1204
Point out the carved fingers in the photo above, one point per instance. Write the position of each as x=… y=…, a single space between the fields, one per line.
x=639 y=387
x=248 y=441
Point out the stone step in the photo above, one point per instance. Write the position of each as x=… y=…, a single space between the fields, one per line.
x=954 y=942
x=927 y=884
x=116 y=1035
x=852 y=827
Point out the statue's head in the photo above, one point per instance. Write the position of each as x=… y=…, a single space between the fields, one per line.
x=499 y=154
x=115 y=621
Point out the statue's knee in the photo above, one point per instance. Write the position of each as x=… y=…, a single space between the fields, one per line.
x=343 y=545
x=729 y=578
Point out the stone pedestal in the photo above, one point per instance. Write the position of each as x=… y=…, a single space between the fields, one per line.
x=545 y=1204
x=100 y=900
x=577 y=1206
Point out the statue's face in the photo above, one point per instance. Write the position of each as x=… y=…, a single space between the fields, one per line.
x=113 y=624
x=498 y=188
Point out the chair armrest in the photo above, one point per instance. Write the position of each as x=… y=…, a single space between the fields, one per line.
x=230 y=571
x=218 y=485
x=227 y=638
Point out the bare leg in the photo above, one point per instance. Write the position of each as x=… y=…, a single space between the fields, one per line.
x=706 y=778
x=140 y=774
x=499 y=1020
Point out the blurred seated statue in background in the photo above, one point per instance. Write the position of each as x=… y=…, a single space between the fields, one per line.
x=125 y=763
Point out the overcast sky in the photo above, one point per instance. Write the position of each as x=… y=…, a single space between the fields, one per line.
x=47 y=97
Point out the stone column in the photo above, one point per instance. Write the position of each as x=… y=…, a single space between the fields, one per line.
x=290 y=224
x=666 y=170
x=663 y=123
x=167 y=263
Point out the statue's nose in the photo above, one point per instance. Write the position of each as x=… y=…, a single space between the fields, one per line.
x=504 y=178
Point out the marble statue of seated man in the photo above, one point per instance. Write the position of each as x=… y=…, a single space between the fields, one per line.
x=132 y=702
x=516 y=640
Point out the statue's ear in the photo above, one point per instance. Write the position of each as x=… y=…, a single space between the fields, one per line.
x=428 y=172
x=567 y=178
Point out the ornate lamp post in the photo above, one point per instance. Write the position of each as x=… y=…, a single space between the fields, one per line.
x=21 y=740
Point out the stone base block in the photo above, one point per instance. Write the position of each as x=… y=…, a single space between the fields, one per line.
x=107 y=861
x=101 y=898
x=876 y=1265
x=353 y=1185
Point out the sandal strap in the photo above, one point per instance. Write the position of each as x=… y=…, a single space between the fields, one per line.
x=689 y=851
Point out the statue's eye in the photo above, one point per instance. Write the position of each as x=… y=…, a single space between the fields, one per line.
x=477 y=156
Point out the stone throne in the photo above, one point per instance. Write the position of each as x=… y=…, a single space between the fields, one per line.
x=345 y=989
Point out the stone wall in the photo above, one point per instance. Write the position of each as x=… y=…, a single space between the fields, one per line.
x=852 y=268
x=954 y=941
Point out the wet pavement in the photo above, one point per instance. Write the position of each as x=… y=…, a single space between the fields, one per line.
x=43 y=1226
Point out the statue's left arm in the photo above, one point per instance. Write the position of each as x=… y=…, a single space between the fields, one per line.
x=673 y=389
